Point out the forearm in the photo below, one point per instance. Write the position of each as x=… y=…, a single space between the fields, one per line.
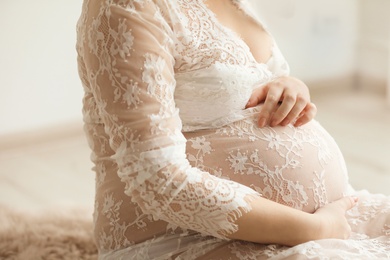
x=271 y=223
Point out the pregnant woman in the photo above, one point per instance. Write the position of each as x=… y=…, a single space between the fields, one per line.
x=205 y=148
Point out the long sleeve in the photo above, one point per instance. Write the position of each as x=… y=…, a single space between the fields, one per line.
x=126 y=51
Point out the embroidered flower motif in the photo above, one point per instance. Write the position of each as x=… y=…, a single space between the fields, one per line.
x=132 y=95
x=153 y=74
x=238 y=161
x=123 y=40
x=200 y=143
x=274 y=140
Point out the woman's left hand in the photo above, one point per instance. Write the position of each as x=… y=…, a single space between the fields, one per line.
x=286 y=100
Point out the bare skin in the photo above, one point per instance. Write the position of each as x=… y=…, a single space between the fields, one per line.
x=271 y=223
x=286 y=100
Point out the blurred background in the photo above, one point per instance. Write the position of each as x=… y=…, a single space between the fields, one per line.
x=341 y=49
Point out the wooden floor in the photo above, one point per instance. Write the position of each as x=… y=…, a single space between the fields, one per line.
x=55 y=169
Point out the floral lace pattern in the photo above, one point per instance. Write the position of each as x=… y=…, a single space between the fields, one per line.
x=272 y=161
x=177 y=157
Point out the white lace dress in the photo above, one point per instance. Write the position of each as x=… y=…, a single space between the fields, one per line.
x=177 y=156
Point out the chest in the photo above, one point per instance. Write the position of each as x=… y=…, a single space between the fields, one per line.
x=234 y=16
x=206 y=35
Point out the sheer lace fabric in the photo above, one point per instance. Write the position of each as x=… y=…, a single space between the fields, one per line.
x=178 y=158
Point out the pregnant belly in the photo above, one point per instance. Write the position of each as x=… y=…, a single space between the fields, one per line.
x=299 y=167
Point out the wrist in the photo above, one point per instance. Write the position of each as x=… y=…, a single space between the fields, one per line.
x=313 y=228
x=302 y=228
x=318 y=227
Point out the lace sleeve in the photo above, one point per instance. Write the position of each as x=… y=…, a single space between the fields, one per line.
x=129 y=62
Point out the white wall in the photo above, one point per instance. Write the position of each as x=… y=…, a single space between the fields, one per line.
x=318 y=37
x=374 y=39
x=39 y=82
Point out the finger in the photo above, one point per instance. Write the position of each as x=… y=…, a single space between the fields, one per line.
x=294 y=107
x=347 y=203
x=307 y=115
x=258 y=95
x=271 y=101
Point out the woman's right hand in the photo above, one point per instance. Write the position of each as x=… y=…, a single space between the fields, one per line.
x=332 y=219
x=286 y=100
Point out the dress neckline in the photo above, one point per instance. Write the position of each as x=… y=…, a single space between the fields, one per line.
x=235 y=35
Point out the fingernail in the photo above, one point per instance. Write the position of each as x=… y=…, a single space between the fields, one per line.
x=262 y=122
x=248 y=104
x=273 y=123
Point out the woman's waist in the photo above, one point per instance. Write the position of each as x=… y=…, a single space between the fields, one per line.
x=197 y=120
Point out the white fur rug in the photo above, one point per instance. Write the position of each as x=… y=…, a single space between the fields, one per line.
x=49 y=234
